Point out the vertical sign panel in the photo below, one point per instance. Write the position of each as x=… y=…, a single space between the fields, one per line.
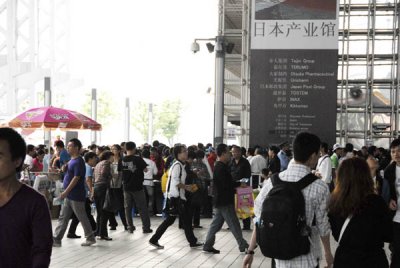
x=294 y=49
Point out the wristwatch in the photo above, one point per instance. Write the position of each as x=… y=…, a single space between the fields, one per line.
x=249 y=252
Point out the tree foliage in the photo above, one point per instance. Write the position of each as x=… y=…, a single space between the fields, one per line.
x=166 y=119
x=140 y=119
x=106 y=107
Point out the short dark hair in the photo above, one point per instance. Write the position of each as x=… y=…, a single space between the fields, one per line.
x=88 y=156
x=146 y=153
x=221 y=148
x=16 y=144
x=76 y=143
x=30 y=148
x=251 y=151
x=92 y=147
x=275 y=149
x=324 y=146
x=349 y=147
x=156 y=143
x=200 y=154
x=59 y=143
x=178 y=149
x=105 y=155
x=192 y=155
x=395 y=143
x=304 y=145
x=40 y=152
x=130 y=145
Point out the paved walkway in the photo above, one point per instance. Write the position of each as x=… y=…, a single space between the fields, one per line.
x=133 y=250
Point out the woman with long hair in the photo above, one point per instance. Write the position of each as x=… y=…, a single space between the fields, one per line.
x=359 y=218
x=116 y=186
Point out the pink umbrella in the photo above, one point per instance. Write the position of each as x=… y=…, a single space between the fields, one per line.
x=49 y=118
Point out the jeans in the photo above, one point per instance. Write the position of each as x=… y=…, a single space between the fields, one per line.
x=149 y=190
x=139 y=198
x=75 y=221
x=228 y=214
x=186 y=217
x=69 y=207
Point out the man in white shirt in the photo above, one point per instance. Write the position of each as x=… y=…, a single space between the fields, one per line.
x=324 y=166
x=148 y=179
x=305 y=150
x=257 y=164
x=30 y=151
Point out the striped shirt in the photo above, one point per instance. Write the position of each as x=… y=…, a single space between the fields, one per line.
x=316 y=197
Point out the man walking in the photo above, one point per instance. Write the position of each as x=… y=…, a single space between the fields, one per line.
x=74 y=196
x=176 y=189
x=224 y=192
x=132 y=180
x=306 y=150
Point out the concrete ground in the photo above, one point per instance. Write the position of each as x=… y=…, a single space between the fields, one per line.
x=133 y=250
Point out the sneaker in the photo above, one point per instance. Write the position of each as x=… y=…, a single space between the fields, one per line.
x=88 y=243
x=105 y=238
x=197 y=245
x=147 y=231
x=211 y=250
x=56 y=243
x=156 y=245
x=131 y=229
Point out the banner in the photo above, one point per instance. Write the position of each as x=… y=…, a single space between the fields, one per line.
x=294 y=54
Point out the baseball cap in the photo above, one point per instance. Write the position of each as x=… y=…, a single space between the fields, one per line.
x=337 y=146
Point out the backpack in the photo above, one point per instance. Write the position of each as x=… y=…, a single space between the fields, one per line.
x=282 y=232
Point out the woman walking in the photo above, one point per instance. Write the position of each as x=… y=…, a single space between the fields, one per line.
x=359 y=218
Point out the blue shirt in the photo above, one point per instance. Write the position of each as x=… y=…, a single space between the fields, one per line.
x=89 y=173
x=64 y=157
x=284 y=160
x=76 y=167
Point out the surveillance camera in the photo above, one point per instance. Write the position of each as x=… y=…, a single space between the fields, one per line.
x=356 y=93
x=195 y=47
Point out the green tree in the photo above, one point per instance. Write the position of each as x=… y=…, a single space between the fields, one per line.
x=168 y=119
x=106 y=107
x=140 y=119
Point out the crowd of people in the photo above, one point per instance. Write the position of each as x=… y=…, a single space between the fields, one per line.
x=353 y=195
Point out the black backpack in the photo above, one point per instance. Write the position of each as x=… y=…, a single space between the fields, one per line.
x=282 y=231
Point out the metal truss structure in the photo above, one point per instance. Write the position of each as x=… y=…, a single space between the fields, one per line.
x=34 y=44
x=368 y=72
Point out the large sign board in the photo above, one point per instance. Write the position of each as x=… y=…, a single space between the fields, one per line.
x=294 y=48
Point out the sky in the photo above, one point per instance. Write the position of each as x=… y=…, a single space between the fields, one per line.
x=141 y=50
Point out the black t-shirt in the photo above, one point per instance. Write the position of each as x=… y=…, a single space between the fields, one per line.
x=132 y=172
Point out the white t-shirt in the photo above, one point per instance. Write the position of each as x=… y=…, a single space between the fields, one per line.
x=28 y=161
x=151 y=170
x=257 y=163
x=324 y=167
x=397 y=184
x=176 y=169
